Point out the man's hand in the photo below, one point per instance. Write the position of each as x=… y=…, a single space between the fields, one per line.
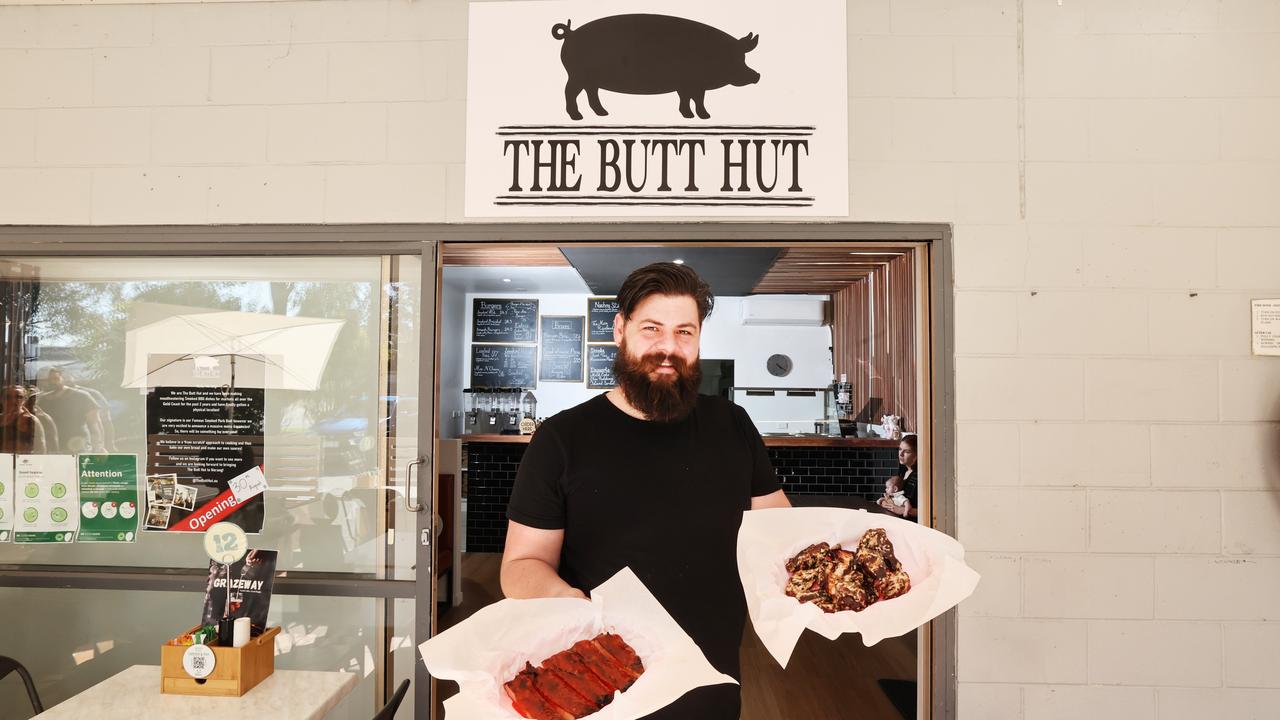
x=573 y=592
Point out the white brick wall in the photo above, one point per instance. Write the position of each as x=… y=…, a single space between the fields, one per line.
x=1118 y=449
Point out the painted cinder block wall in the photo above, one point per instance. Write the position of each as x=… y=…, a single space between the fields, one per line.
x=1110 y=168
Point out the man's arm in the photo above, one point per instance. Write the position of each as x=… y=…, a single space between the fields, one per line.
x=529 y=564
x=777 y=499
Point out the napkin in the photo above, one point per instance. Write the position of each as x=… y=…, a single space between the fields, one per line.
x=768 y=538
x=491 y=646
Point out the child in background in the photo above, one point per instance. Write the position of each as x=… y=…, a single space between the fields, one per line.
x=894 y=497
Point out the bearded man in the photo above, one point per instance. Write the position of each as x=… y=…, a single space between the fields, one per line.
x=652 y=476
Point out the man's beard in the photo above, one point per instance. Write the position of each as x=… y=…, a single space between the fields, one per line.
x=666 y=399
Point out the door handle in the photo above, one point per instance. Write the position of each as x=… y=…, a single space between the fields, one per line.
x=408 y=485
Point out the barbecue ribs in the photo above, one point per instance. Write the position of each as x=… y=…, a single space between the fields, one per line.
x=576 y=682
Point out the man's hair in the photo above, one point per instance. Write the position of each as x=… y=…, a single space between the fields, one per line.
x=665 y=278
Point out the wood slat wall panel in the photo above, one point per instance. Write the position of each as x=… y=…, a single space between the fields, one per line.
x=822 y=270
x=873 y=339
x=503 y=255
x=902 y=341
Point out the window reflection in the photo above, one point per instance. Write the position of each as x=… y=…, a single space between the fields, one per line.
x=63 y=369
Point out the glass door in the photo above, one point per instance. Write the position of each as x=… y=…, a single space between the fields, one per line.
x=327 y=349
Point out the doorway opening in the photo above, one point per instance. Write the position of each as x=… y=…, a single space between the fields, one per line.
x=794 y=315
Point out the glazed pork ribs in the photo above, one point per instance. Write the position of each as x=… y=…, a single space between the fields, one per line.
x=835 y=579
x=576 y=682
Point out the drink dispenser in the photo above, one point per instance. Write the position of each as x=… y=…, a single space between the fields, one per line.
x=494 y=419
x=471 y=420
x=511 y=399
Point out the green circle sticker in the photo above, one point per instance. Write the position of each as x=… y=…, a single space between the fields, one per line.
x=31 y=490
x=1 y=488
x=59 y=490
x=59 y=514
x=30 y=515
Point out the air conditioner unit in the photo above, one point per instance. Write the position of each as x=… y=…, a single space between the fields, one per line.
x=783 y=311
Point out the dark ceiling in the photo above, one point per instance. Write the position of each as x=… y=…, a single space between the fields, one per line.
x=730 y=271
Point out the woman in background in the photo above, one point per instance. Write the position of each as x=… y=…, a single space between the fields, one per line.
x=909 y=483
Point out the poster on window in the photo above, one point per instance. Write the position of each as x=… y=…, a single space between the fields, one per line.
x=46 y=500
x=108 y=498
x=656 y=108
x=201 y=443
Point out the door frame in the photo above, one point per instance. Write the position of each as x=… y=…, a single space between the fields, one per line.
x=936 y=667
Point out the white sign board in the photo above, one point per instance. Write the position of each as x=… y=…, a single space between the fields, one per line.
x=657 y=108
x=1266 y=327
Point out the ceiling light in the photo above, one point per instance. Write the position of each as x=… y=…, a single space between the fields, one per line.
x=506 y=279
x=678 y=261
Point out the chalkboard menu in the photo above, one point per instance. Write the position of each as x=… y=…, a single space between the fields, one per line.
x=561 y=348
x=600 y=312
x=600 y=366
x=504 y=320
x=503 y=366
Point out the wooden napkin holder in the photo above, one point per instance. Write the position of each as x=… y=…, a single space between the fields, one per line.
x=235 y=670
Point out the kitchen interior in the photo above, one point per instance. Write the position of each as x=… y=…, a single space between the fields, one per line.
x=820 y=344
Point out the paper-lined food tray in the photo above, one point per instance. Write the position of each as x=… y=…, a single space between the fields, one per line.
x=493 y=645
x=768 y=538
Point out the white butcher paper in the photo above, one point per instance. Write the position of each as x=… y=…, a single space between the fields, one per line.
x=768 y=538
x=490 y=647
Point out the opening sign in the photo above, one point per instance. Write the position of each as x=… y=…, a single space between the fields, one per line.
x=655 y=107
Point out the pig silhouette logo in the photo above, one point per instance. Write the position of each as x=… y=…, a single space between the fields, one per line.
x=651 y=55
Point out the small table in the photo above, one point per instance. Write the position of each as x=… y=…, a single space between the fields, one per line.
x=134 y=693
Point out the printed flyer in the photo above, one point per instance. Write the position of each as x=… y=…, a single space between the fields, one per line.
x=46 y=499
x=108 y=498
x=6 y=497
x=199 y=439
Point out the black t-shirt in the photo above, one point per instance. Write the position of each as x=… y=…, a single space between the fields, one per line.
x=665 y=500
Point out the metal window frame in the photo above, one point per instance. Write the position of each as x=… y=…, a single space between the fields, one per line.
x=428 y=239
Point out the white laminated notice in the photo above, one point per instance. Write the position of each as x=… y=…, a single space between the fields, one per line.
x=1266 y=327
x=46 y=499
x=6 y=497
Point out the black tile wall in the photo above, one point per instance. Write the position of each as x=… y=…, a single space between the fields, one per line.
x=859 y=471
x=491 y=473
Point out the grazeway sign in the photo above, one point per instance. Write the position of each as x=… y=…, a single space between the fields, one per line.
x=657 y=108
